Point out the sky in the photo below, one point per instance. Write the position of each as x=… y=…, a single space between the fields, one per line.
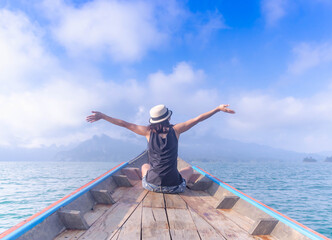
x=271 y=60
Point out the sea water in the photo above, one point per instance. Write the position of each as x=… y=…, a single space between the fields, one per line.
x=302 y=191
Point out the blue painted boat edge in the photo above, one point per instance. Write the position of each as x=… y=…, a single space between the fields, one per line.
x=281 y=218
x=34 y=222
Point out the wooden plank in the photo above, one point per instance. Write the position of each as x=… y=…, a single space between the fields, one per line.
x=205 y=230
x=206 y=197
x=131 y=229
x=127 y=194
x=122 y=181
x=263 y=226
x=108 y=184
x=154 y=224
x=194 y=177
x=116 y=235
x=155 y=234
x=215 y=218
x=70 y=235
x=109 y=223
x=174 y=201
x=203 y=183
x=102 y=196
x=227 y=202
x=181 y=224
x=73 y=219
x=267 y=237
x=180 y=219
x=184 y=234
x=132 y=173
x=242 y=221
x=97 y=212
x=155 y=200
x=154 y=218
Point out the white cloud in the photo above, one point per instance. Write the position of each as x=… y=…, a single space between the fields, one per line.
x=37 y=97
x=123 y=30
x=43 y=102
x=302 y=124
x=308 y=56
x=51 y=107
x=38 y=112
x=273 y=10
x=23 y=59
x=182 y=89
x=214 y=23
x=163 y=85
x=126 y=31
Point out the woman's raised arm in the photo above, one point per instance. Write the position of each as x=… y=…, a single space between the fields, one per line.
x=185 y=126
x=138 y=129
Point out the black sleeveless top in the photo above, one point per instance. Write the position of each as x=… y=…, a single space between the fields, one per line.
x=163 y=154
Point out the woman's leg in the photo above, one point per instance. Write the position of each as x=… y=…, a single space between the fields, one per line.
x=186 y=173
x=145 y=168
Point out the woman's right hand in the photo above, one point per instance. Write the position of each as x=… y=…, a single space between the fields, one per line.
x=95 y=116
x=224 y=108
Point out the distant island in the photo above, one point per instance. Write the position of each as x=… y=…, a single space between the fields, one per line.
x=309 y=159
x=328 y=159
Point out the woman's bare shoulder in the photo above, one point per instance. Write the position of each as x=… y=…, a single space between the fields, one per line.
x=176 y=130
x=148 y=135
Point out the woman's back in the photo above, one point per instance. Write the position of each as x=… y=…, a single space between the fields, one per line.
x=163 y=153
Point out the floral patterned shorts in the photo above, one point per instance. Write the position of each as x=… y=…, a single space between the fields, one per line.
x=164 y=189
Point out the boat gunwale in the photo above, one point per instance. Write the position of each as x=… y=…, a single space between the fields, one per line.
x=272 y=212
x=29 y=223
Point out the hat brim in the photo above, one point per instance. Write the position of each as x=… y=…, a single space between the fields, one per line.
x=163 y=119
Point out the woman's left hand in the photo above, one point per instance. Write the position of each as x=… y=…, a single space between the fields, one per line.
x=95 y=116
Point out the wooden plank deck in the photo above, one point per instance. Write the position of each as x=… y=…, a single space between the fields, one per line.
x=139 y=214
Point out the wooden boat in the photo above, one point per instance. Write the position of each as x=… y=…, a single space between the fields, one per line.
x=115 y=206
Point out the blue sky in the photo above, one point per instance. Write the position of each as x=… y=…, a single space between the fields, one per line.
x=270 y=60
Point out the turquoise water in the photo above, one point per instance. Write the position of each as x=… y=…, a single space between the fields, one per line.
x=302 y=191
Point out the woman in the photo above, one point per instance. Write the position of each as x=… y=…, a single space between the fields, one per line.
x=161 y=173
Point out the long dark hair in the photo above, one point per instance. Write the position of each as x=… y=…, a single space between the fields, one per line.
x=161 y=127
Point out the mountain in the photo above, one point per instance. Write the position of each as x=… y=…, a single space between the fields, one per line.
x=29 y=154
x=98 y=148
x=326 y=153
x=204 y=148
x=328 y=159
x=102 y=148
x=213 y=148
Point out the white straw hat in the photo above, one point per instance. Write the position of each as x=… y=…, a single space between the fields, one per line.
x=159 y=113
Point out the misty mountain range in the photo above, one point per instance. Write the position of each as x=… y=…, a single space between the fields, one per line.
x=104 y=148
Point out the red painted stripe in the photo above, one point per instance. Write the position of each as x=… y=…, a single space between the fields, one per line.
x=309 y=229
x=54 y=204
